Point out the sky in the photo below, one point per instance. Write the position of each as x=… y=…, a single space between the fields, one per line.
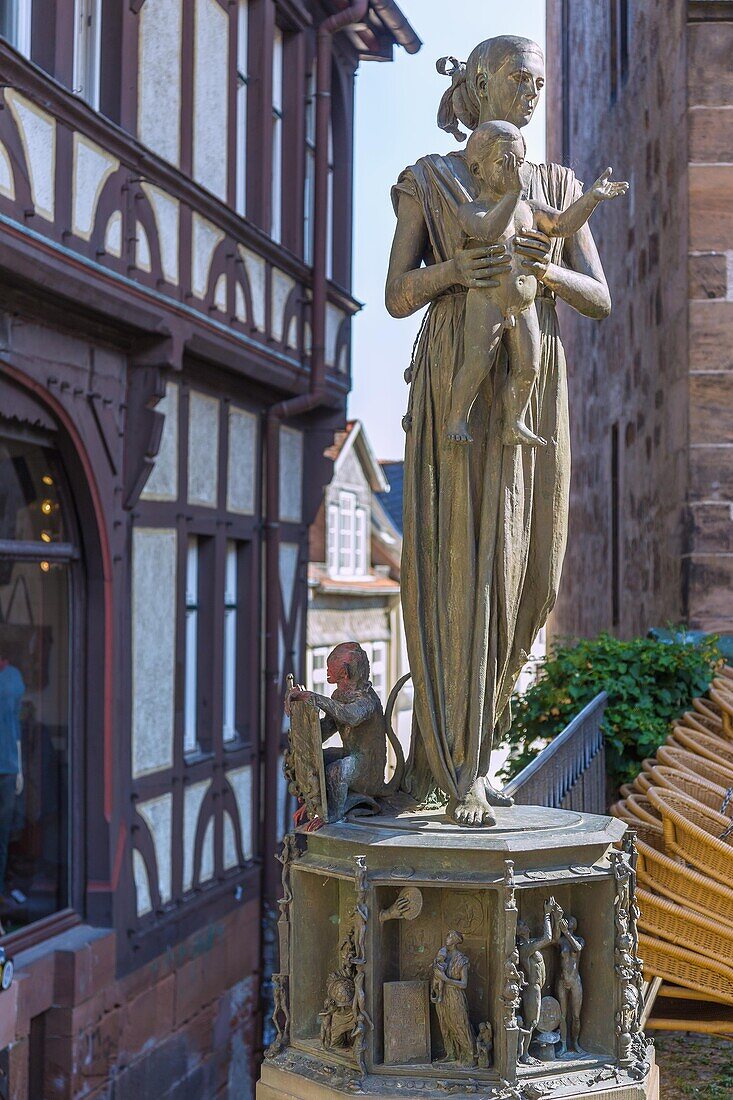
x=396 y=106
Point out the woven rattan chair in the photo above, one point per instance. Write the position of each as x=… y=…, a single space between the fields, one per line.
x=683 y=926
x=676 y=757
x=696 y=721
x=643 y=782
x=721 y=692
x=625 y=790
x=686 y=968
x=704 y=744
x=688 y=887
x=640 y=806
x=709 y=710
x=650 y=832
x=695 y=833
x=710 y=794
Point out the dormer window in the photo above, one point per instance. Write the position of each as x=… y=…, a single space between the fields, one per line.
x=347 y=537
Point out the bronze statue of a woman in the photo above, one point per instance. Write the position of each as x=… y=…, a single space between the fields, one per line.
x=484 y=526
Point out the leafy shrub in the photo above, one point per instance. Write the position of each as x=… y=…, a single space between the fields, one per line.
x=649 y=684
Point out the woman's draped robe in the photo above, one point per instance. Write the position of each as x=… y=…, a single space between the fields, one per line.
x=485 y=525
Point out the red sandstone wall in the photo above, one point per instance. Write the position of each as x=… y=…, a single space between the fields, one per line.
x=710 y=121
x=175 y=1028
x=631 y=369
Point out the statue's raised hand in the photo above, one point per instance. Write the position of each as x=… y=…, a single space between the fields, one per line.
x=606 y=188
x=512 y=176
x=480 y=267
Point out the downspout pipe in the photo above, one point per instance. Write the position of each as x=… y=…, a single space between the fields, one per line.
x=296 y=406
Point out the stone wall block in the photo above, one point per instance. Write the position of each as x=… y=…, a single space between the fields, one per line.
x=711 y=408
x=707 y=275
x=711 y=473
x=712 y=528
x=711 y=343
x=8 y=1014
x=711 y=211
x=709 y=71
x=710 y=134
x=148 y=1019
x=85 y=964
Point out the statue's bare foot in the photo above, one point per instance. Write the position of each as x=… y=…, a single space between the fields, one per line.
x=457 y=431
x=473 y=808
x=496 y=798
x=518 y=433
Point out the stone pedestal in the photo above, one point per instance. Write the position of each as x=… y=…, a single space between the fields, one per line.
x=337 y=955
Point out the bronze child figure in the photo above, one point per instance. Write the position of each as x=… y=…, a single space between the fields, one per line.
x=495 y=154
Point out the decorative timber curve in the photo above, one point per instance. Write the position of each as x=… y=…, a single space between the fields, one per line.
x=76 y=179
x=570 y=772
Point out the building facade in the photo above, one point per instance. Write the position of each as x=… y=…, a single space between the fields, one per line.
x=354 y=575
x=647 y=88
x=175 y=260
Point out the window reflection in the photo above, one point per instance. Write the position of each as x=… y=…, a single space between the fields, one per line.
x=34 y=687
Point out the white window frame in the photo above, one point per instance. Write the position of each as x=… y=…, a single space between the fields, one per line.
x=360 y=542
x=347 y=533
x=19 y=33
x=309 y=186
x=378 y=654
x=87 y=50
x=190 y=666
x=317 y=671
x=278 y=72
x=231 y=609
x=332 y=539
x=242 y=92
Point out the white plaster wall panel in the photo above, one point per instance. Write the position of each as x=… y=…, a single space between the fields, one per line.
x=207 y=853
x=220 y=293
x=157 y=814
x=291 y=475
x=143 y=259
x=282 y=285
x=193 y=798
x=37 y=132
x=255 y=267
x=292 y=341
x=205 y=238
x=242 y=462
x=142 y=884
x=334 y=317
x=113 y=234
x=159 y=78
x=203 y=449
x=229 y=858
x=92 y=167
x=153 y=647
x=288 y=572
x=240 y=780
x=210 y=96
x=7 y=180
x=163 y=481
x=166 y=211
x=240 y=305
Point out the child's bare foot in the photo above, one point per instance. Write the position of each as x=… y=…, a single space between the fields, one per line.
x=457 y=431
x=518 y=433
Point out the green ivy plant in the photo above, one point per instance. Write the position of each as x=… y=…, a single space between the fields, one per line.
x=649 y=683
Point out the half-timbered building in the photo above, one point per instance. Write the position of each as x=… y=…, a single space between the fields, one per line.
x=175 y=306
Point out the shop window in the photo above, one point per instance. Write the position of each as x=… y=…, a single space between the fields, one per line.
x=38 y=574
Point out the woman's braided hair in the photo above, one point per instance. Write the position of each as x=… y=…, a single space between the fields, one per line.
x=461 y=102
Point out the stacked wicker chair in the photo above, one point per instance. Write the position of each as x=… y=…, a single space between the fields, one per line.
x=681 y=806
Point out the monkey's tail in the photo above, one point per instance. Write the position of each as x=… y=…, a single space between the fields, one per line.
x=399 y=773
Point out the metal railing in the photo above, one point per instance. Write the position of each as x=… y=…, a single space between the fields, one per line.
x=570 y=772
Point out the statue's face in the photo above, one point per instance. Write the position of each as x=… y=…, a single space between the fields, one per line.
x=337 y=671
x=452 y=940
x=512 y=92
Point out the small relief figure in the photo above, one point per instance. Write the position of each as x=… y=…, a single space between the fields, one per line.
x=626 y=1022
x=514 y=983
x=569 y=985
x=484 y=1045
x=448 y=994
x=535 y=971
x=495 y=155
x=339 y=1015
x=354 y=772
